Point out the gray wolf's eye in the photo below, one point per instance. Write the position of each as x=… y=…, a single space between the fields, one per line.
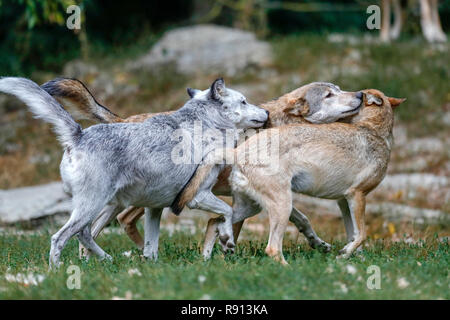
x=244 y=102
x=329 y=95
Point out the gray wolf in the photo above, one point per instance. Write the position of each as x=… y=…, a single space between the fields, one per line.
x=341 y=161
x=123 y=164
x=310 y=103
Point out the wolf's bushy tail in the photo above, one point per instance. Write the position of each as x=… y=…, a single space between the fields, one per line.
x=43 y=106
x=79 y=101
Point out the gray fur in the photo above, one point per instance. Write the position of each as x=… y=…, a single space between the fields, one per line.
x=128 y=163
x=328 y=103
x=44 y=107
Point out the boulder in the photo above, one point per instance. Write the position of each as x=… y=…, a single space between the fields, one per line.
x=206 y=49
x=28 y=203
x=104 y=83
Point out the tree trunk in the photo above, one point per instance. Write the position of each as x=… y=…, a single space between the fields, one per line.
x=385 y=21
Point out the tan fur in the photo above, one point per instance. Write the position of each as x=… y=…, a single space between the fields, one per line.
x=75 y=96
x=128 y=219
x=144 y=116
x=343 y=160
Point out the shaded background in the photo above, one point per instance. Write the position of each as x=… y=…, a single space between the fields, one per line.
x=33 y=35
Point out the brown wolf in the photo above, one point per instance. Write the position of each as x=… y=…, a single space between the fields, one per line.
x=341 y=161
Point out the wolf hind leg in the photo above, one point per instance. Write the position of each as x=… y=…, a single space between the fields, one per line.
x=151 y=234
x=86 y=208
x=304 y=226
x=85 y=238
x=356 y=204
x=105 y=217
x=207 y=201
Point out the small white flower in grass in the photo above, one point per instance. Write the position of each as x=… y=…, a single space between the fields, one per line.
x=402 y=283
x=128 y=296
x=126 y=254
x=419 y=264
x=205 y=297
x=342 y=286
x=25 y=279
x=201 y=279
x=133 y=272
x=329 y=269
x=350 y=269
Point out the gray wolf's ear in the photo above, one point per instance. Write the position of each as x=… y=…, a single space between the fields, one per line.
x=218 y=89
x=297 y=107
x=373 y=99
x=395 y=102
x=192 y=92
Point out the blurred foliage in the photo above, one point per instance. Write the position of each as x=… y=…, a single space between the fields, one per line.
x=33 y=35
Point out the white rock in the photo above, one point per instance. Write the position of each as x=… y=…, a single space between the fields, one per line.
x=207 y=49
x=413 y=182
x=28 y=203
x=393 y=211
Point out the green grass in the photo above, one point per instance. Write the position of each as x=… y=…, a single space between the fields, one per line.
x=248 y=274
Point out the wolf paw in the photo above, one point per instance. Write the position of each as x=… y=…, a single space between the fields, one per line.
x=320 y=245
x=107 y=257
x=227 y=243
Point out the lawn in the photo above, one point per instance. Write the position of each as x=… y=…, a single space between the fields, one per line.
x=407 y=270
x=410 y=268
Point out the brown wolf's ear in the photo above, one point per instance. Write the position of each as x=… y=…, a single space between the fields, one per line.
x=395 y=102
x=297 y=107
x=373 y=99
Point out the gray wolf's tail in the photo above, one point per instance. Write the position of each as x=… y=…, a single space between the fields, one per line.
x=78 y=100
x=45 y=107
